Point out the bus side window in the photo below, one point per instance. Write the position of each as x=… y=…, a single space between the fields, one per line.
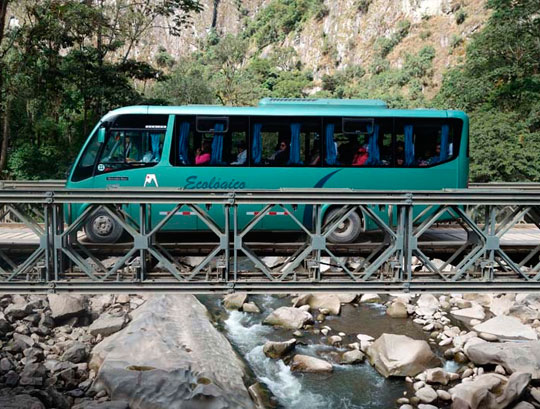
x=286 y=141
x=85 y=167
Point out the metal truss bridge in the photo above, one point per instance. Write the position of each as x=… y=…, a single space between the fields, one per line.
x=486 y=238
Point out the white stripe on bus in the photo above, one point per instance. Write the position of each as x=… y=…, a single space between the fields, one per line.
x=268 y=214
x=177 y=213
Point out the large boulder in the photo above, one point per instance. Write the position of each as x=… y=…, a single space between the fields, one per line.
x=347 y=298
x=171 y=356
x=397 y=310
x=476 y=312
x=305 y=363
x=491 y=391
x=507 y=328
x=276 y=350
x=427 y=305
x=512 y=356
x=288 y=317
x=399 y=355
x=234 y=301
x=330 y=302
x=65 y=306
x=20 y=402
x=107 y=324
x=501 y=305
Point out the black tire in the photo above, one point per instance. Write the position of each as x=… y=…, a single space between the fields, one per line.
x=102 y=228
x=348 y=231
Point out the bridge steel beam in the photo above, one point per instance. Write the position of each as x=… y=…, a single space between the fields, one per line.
x=396 y=261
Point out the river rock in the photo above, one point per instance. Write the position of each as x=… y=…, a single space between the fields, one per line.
x=234 y=301
x=17 y=311
x=115 y=404
x=347 y=298
x=524 y=313
x=399 y=355
x=397 y=310
x=305 y=363
x=426 y=394
x=64 y=306
x=352 y=357
x=512 y=356
x=277 y=350
x=370 y=298
x=329 y=302
x=251 y=307
x=507 y=328
x=427 y=305
x=492 y=391
x=76 y=353
x=523 y=405
x=501 y=305
x=170 y=356
x=107 y=324
x=475 y=312
x=437 y=375
x=20 y=402
x=484 y=299
x=288 y=317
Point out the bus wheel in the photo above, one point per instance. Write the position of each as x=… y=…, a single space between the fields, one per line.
x=348 y=230
x=102 y=228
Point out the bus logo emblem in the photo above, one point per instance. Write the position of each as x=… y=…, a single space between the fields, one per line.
x=150 y=178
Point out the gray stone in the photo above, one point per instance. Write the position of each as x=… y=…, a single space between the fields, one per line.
x=114 y=404
x=426 y=394
x=149 y=368
x=17 y=311
x=352 y=357
x=507 y=328
x=20 y=402
x=64 y=306
x=234 y=301
x=288 y=317
x=76 y=353
x=251 y=307
x=278 y=350
x=512 y=356
x=5 y=365
x=107 y=324
x=305 y=363
x=399 y=355
x=330 y=302
x=523 y=405
x=397 y=310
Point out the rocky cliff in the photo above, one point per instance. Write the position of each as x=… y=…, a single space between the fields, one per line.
x=335 y=34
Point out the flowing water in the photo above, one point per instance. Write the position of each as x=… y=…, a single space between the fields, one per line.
x=348 y=386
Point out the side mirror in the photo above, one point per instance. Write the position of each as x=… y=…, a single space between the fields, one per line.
x=101 y=134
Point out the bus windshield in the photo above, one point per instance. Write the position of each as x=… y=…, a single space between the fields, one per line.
x=127 y=147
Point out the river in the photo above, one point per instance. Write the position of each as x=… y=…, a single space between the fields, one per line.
x=349 y=386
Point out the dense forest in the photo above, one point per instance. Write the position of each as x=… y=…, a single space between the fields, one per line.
x=64 y=63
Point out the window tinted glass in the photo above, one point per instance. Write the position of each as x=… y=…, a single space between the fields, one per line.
x=85 y=167
x=210 y=141
x=131 y=148
x=287 y=141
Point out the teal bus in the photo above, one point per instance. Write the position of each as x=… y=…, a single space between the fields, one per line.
x=281 y=143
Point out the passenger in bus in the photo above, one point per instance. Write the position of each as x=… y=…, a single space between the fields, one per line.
x=315 y=156
x=281 y=155
x=347 y=150
x=203 y=154
x=361 y=156
x=241 y=158
x=400 y=153
x=430 y=158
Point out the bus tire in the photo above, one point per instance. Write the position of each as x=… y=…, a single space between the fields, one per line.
x=102 y=228
x=348 y=231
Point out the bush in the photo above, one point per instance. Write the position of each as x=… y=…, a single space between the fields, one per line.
x=363 y=5
x=461 y=15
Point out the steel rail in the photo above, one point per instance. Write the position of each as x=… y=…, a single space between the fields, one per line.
x=285 y=196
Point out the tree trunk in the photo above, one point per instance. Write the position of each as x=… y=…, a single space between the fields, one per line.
x=5 y=137
x=215 y=13
x=3 y=13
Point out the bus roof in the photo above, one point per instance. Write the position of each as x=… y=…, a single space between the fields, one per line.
x=294 y=107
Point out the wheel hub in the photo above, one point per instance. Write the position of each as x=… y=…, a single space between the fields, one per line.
x=102 y=225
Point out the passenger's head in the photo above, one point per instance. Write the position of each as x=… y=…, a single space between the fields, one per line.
x=206 y=146
x=241 y=146
x=438 y=149
x=282 y=145
x=400 y=146
x=361 y=150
